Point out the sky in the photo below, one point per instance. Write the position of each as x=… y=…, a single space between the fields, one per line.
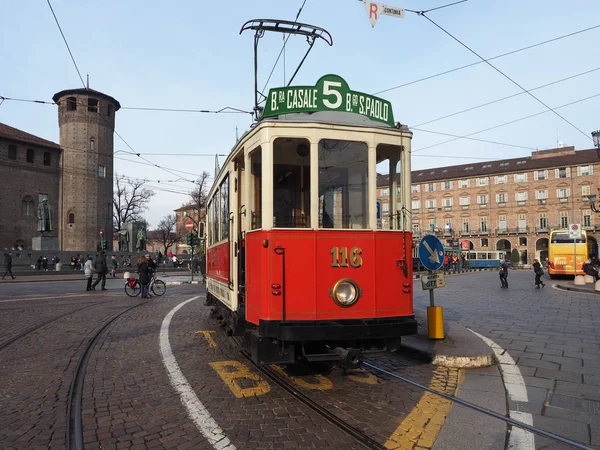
x=190 y=55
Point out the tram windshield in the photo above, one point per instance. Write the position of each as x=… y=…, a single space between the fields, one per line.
x=343 y=187
x=391 y=213
x=291 y=183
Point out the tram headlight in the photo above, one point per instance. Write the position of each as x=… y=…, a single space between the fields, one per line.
x=345 y=292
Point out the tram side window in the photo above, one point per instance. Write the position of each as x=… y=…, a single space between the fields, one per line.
x=215 y=216
x=388 y=163
x=291 y=183
x=343 y=184
x=224 y=210
x=209 y=220
x=256 y=188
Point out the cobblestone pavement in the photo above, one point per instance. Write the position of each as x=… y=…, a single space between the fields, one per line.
x=128 y=401
x=554 y=337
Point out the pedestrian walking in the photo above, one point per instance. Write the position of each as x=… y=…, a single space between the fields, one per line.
x=101 y=268
x=39 y=262
x=463 y=262
x=115 y=265
x=504 y=274
x=8 y=264
x=174 y=262
x=45 y=263
x=537 y=269
x=145 y=270
x=446 y=263
x=88 y=271
x=454 y=260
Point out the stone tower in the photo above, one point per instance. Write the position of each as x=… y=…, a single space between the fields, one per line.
x=87 y=121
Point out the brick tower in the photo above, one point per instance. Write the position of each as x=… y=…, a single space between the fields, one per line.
x=87 y=121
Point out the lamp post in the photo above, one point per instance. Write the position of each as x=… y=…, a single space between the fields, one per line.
x=592 y=198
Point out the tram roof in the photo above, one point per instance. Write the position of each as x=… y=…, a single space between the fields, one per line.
x=333 y=118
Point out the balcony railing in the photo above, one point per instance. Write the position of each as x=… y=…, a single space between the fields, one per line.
x=545 y=229
x=517 y=230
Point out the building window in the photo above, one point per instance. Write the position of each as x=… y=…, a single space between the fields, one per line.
x=27 y=206
x=446 y=185
x=416 y=205
x=482 y=199
x=385 y=207
x=465 y=225
x=464 y=201
x=447 y=202
x=521 y=196
x=584 y=171
x=46 y=158
x=71 y=218
x=502 y=223
x=520 y=177
x=502 y=179
x=563 y=172
x=416 y=227
x=539 y=175
x=484 y=242
x=587 y=218
x=523 y=241
x=481 y=181
x=30 y=155
x=71 y=104
x=586 y=190
x=563 y=193
x=110 y=110
x=430 y=187
x=92 y=144
x=483 y=225
x=563 y=220
x=522 y=223
x=92 y=105
x=501 y=198
x=430 y=204
x=415 y=188
x=102 y=171
x=12 y=152
x=464 y=183
x=543 y=220
x=432 y=227
x=541 y=195
x=385 y=192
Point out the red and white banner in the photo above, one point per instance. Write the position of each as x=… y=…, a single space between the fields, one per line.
x=374 y=10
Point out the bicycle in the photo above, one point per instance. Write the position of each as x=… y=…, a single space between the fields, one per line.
x=133 y=288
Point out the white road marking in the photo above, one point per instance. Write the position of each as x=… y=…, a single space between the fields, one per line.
x=517 y=391
x=196 y=410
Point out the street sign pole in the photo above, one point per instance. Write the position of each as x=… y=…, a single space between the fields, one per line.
x=431 y=254
x=431 y=300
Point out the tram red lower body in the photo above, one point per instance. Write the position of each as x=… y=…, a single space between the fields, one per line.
x=291 y=277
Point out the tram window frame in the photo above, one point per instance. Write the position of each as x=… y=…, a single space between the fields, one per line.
x=337 y=183
x=384 y=154
x=224 y=208
x=255 y=194
x=291 y=183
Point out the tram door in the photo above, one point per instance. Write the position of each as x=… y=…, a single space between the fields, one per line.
x=239 y=245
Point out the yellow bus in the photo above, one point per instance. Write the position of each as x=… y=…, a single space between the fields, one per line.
x=563 y=250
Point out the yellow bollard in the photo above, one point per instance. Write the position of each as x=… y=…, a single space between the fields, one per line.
x=435 y=322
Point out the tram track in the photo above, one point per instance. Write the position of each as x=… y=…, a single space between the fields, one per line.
x=343 y=425
x=41 y=325
x=74 y=420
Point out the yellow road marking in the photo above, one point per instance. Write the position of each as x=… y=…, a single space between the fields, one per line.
x=362 y=376
x=421 y=427
x=208 y=337
x=322 y=383
x=232 y=372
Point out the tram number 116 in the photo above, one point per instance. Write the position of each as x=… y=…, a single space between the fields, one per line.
x=339 y=257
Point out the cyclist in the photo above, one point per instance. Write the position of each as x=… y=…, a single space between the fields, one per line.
x=145 y=268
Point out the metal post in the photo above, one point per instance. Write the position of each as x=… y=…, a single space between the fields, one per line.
x=574 y=258
x=431 y=300
x=192 y=263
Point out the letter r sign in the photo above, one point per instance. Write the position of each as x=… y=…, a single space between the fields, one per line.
x=373 y=10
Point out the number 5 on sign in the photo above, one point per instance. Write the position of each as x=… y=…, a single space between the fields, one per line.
x=328 y=90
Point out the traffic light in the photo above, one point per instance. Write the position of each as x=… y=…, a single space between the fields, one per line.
x=104 y=244
x=188 y=239
x=195 y=240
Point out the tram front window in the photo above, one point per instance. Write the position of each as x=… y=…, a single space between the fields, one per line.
x=343 y=187
x=291 y=183
x=392 y=216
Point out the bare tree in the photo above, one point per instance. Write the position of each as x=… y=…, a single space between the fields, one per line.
x=198 y=198
x=130 y=200
x=166 y=231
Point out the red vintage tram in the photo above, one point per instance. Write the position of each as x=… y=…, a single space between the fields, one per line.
x=301 y=258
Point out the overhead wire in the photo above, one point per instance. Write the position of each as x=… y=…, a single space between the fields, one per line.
x=488 y=59
x=66 y=43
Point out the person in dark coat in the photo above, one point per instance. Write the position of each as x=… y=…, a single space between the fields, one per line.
x=537 y=269
x=8 y=264
x=590 y=269
x=504 y=274
x=145 y=272
x=101 y=268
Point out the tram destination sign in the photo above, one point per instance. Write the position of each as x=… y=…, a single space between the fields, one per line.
x=331 y=93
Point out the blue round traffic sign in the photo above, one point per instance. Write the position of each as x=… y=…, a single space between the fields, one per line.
x=431 y=252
